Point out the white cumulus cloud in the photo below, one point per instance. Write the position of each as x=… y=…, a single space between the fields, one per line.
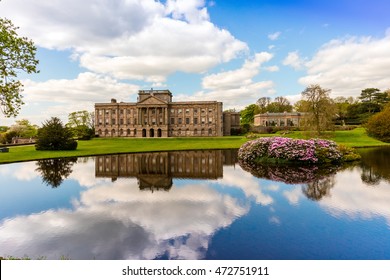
x=61 y=97
x=349 y=65
x=128 y=39
x=294 y=60
x=274 y=36
x=237 y=88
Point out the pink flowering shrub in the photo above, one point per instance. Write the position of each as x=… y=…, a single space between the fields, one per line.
x=281 y=149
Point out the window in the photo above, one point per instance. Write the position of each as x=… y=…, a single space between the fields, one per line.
x=121 y=121
x=179 y=121
x=113 y=121
x=172 y=111
x=203 y=111
x=179 y=111
x=203 y=120
x=210 y=120
x=195 y=120
x=172 y=120
x=187 y=120
x=100 y=112
x=187 y=111
x=210 y=110
x=113 y=111
x=121 y=111
x=195 y=111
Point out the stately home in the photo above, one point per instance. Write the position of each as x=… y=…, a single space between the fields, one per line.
x=156 y=115
x=279 y=119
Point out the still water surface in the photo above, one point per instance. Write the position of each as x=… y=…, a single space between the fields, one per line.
x=194 y=205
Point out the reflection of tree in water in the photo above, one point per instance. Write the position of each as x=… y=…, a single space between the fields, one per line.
x=54 y=171
x=317 y=180
x=369 y=176
x=375 y=165
x=319 y=188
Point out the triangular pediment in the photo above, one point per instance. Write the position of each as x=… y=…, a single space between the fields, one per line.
x=152 y=100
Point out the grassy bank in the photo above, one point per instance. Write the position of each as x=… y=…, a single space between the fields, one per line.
x=99 y=146
x=356 y=138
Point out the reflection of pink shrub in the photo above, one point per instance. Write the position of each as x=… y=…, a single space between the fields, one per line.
x=289 y=174
x=290 y=150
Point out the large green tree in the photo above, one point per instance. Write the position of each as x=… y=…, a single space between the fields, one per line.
x=373 y=99
x=16 y=54
x=81 y=124
x=378 y=125
x=55 y=136
x=247 y=115
x=319 y=107
x=279 y=105
x=24 y=128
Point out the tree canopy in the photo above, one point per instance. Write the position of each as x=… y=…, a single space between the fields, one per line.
x=55 y=136
x=16 y=54
x=319 y=107
x=248 y=114
x=378 y=126
x=81 y=124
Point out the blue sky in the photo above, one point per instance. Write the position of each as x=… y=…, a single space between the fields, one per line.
x=225 y=50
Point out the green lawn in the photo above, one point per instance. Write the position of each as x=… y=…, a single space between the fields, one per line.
x=99 y=146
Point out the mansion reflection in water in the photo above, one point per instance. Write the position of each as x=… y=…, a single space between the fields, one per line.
x=155 y=171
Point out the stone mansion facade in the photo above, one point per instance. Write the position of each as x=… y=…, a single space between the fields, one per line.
x=156 y=115
x=285 y=119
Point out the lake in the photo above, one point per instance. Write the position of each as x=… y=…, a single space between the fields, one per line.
x=194 y=205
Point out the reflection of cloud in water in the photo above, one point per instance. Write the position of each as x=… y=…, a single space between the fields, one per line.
x=117 y=221
x=21 y=171
x=246 y=182
x=294 y=195
x=84 y=174
x=349 y=197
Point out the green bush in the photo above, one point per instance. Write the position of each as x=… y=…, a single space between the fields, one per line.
x=55 y=136
x=348 y=153
x=378 y=126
